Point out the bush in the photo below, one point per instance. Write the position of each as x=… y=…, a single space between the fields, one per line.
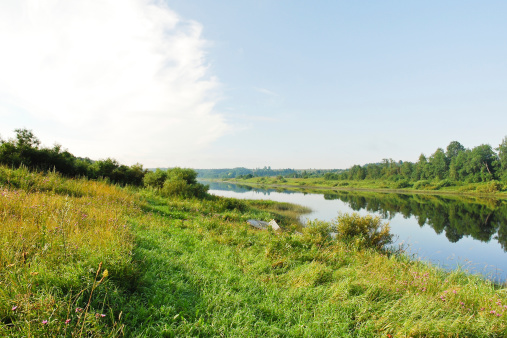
x=421 y=184
x=402 y=184
x=367 y=231
x=493 y=186
x=155 y=179
x=444 y=183
x=316 y=232
x=176 y=182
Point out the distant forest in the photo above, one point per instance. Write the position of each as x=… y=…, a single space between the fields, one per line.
x=457 y=163
x=264 y=172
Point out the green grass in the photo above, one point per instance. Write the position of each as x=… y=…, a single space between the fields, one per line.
x=189 y=267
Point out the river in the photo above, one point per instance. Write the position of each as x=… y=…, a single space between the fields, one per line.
x=448 y=231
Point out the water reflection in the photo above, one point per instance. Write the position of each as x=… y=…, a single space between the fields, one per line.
x=456 y=217
x=239 y=188
x=449 y=231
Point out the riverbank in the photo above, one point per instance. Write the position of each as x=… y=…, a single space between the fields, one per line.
x=489 y=189
x=86 y=258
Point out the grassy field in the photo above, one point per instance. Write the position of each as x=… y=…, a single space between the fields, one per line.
x=426 y=186
x=84 y=258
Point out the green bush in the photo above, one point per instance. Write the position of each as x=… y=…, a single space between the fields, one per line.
x=402 y=184
x=176 y=182
x=364 y=231
x=490 y=187
x=444 y=183
x=155 y=179
x=423 y=184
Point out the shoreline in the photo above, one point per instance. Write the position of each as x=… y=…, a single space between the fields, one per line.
x=496 y=195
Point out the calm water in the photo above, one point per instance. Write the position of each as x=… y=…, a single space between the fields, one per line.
x=448 y=231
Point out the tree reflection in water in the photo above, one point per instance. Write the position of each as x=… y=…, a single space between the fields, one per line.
x=456 y=216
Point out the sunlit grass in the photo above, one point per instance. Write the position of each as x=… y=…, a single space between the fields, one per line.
x=84 y=258
x=54 y=234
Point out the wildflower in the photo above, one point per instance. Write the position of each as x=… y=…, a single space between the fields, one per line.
x=461 y=303
x=78 y=309
x=14 y=308
x=493 y=312
x=44 y=322
x=67 y=321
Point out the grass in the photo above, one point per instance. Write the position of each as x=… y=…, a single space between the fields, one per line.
x=188 y=267
x=55 y=235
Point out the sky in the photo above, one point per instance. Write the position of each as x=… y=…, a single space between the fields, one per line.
x=223 y=83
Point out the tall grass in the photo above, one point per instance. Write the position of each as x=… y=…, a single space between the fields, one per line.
x=54 y=235
x=85 y=258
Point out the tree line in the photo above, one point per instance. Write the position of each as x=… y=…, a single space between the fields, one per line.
x=246 y=173
x=26 y=150
x=457 y=163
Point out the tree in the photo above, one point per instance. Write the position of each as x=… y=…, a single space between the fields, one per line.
x=438 y=164
x=502 y=158
x=421 y=168
x=357 y=173
x=407 y=169
x=481 y=163
x=26 y=139
x=453 y=149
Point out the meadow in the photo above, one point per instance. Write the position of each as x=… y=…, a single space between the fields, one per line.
x=81 y=257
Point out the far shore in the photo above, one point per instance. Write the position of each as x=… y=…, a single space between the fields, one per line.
x=322 y=185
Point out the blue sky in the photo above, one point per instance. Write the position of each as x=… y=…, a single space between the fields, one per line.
x=296 y=84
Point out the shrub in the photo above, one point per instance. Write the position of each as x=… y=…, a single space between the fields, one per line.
x=444 y=183
x=316 y=232
x=155 y=179
x=493 y=186
x=402 y=184
x=366 y=231
x=421 y=184
x=176 y=182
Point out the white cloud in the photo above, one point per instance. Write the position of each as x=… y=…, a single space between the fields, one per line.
x=266 y=91
x=120 y=78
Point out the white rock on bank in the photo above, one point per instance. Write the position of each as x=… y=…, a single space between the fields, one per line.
x=274 y=225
